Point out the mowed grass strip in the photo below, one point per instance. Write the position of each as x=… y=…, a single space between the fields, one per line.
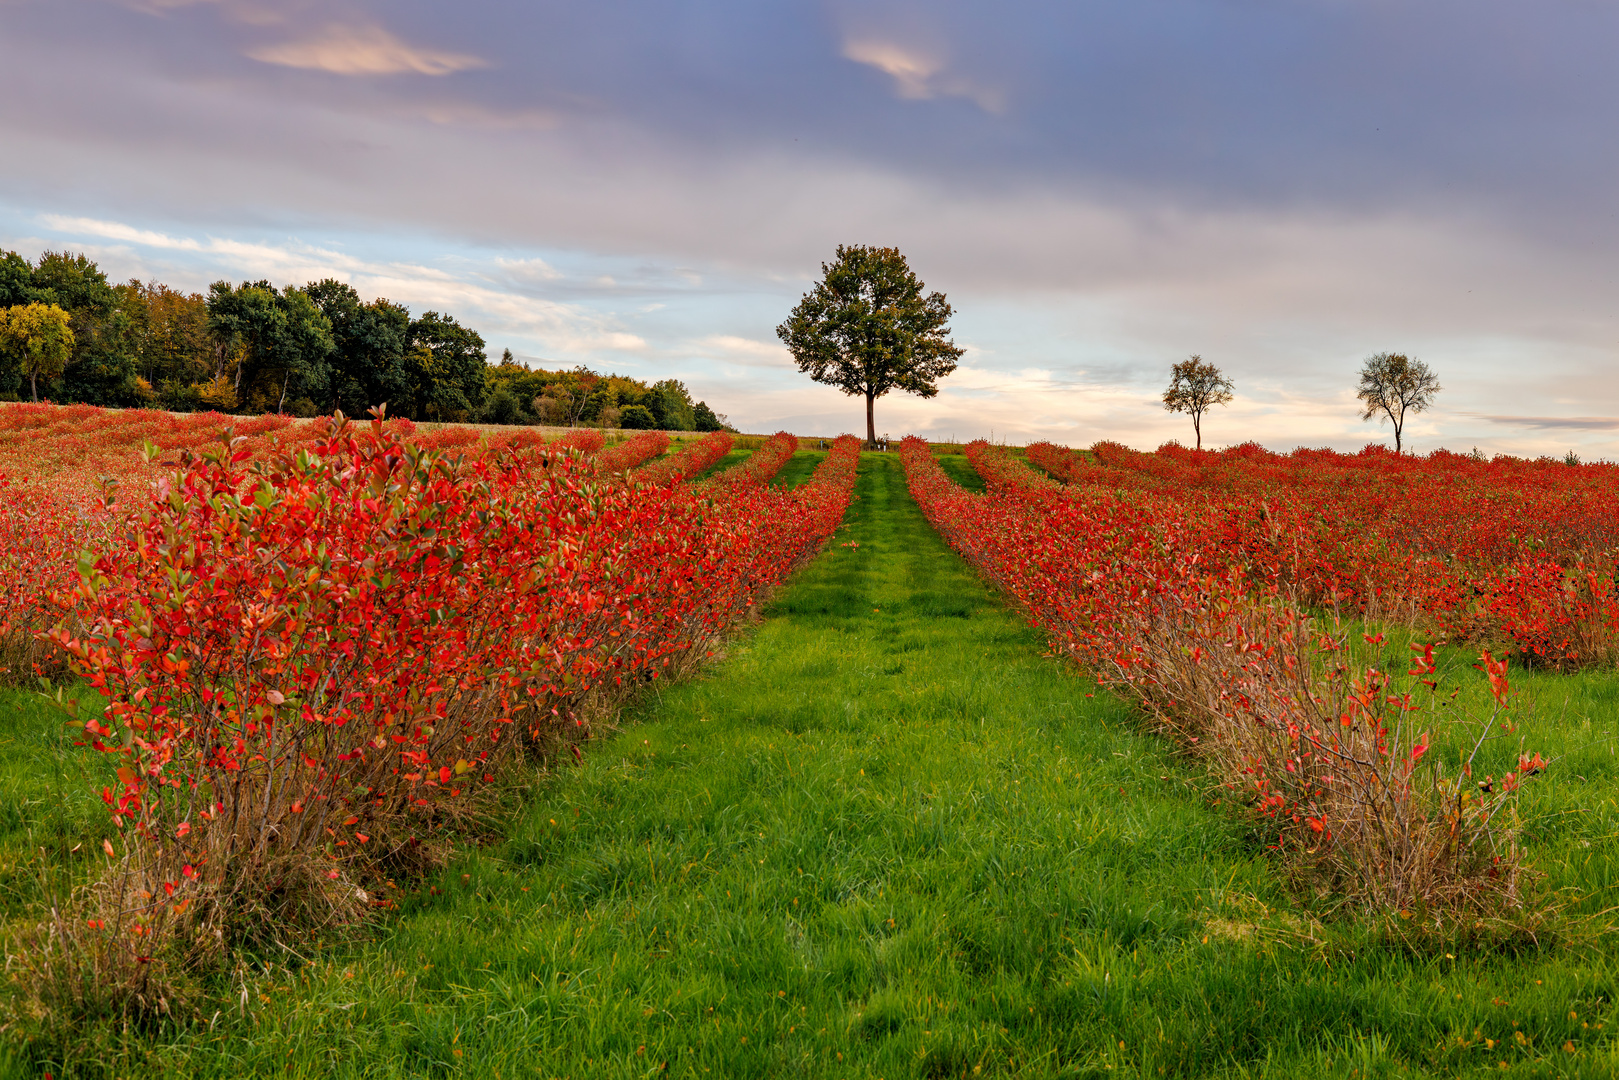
x=883 y=837
x=735 y=457
x=799 y=468
x=960 y=470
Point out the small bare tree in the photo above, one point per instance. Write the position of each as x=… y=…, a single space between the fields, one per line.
x=1393 y=384
x=1193 y=387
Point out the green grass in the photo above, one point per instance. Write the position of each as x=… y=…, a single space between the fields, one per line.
x=735 y=457
x=958 y=469
x=882 y=837
x=52 y=819
x=799 y=468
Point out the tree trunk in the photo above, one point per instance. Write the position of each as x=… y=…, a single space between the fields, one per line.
x=1197 y=428
x=871 y=423
x=33 y=385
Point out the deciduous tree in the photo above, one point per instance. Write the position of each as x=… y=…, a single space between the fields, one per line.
x=1393 y=384
x=447 y=368
x=281 y=340
x=166 y=332
x=1194 y=387
x=38 y=338
x=671 y=406
x=102 y=367
x=637 y=418
x=866 y=328
x=368 y=348
x=17 y=281
x=707 y=419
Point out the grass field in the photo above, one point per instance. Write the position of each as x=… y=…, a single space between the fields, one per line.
x=882 y=837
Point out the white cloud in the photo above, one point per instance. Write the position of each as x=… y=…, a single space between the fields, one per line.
x=729 y=348
x=364 y=50
x=909 y=70
x=559 y=327
x=529 y=270
x=112 y=230
x=918 y=75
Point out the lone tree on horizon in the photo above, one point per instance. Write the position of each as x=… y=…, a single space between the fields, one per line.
x=1394 y=384
x=867 y=329
x=1194 y=387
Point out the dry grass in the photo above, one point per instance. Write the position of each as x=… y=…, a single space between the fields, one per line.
x=1334 y=752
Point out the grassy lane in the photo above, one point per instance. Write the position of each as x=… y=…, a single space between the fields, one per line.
x=799 y=468
x=884 y=838
x=735 y=457
x=959 y=469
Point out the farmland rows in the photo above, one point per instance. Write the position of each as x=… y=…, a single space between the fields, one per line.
x=307 y=655
x=883 y=837
x=1179 y=602
x=1513 y=555
x=317 y=656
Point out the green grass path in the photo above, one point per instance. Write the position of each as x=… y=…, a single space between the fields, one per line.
x=882 y=837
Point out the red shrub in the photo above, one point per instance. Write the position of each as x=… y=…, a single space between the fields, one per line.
x=1190 y=617
x=691 y=460
x=307 y=660
x=760 y=466
x=633 y=451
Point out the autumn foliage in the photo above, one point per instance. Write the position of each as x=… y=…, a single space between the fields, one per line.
x=760 y=466
x=1180 y=601
x=1516 y=556
x=633 y=451
x=689 y=461
x=310 y=656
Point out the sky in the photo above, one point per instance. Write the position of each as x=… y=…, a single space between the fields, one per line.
x=1101 y=189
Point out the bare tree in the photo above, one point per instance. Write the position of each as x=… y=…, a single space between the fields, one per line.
x=1393 y=384
x=1193 y=387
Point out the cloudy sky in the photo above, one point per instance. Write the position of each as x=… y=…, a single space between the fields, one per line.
x=1101 y=188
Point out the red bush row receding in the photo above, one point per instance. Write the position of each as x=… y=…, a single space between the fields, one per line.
x=690 y=461
x=1059 y=461
x=40 y=535
x=633 y=451
x=760 y=466
x=1328 y=753
x=586 y=441
x=307 y=655
x=1001 y=469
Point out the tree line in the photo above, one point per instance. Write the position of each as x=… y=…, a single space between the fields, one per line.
x=67 y=334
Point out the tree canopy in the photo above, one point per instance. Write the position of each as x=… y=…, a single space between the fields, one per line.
x=445 y=366
x=866 y=328
x=37 y=339
x=369 y=341
x=1195 y=387
x=1393 y=384
x=582 y=396
x=300 y=349
x=281 y=339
